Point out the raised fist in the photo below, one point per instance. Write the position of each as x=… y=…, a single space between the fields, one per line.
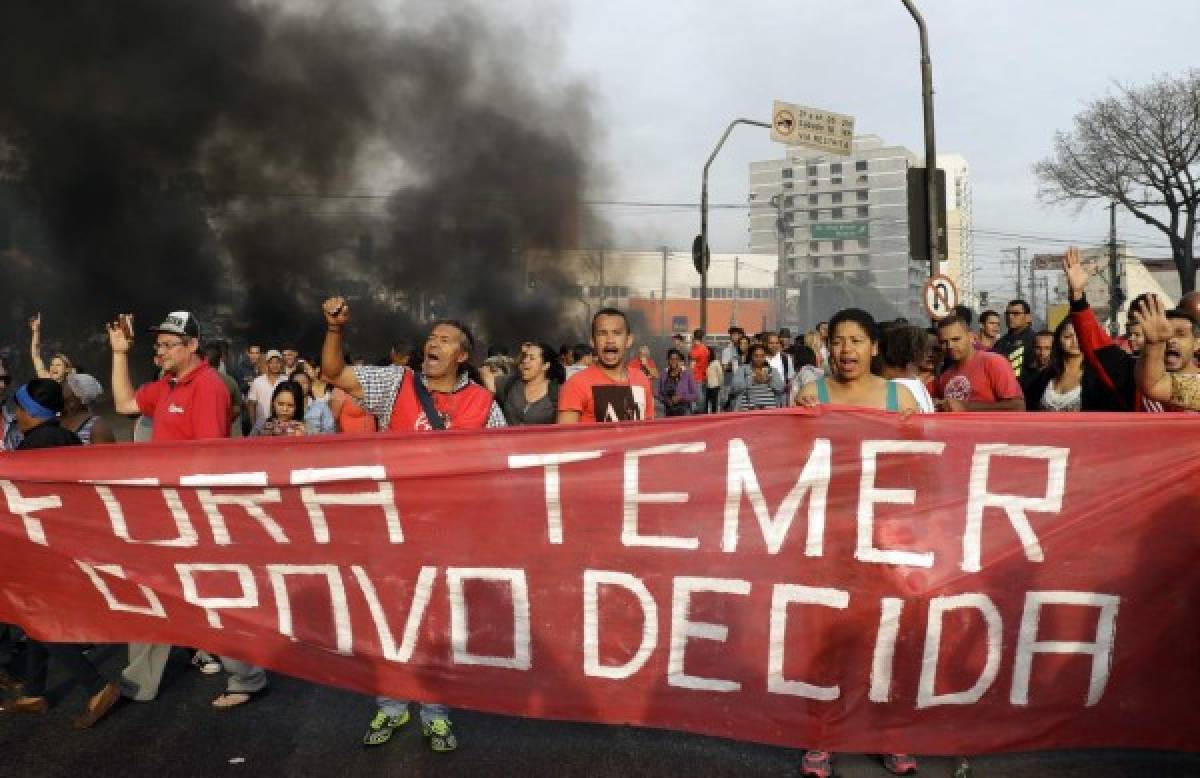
x=337 y=311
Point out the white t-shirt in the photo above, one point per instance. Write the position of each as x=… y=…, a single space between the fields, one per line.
x=261 y=389
x=919 y=393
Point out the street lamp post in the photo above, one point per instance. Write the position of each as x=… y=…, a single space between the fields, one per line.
x=702 y=257
x=931 y=208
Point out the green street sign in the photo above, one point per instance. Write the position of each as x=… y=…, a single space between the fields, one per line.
x=838 y=231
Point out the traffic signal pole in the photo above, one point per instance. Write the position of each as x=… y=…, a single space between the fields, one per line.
x=701 y=258
x=930 y=147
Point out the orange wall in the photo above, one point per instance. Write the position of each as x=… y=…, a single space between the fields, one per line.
x=752 y=315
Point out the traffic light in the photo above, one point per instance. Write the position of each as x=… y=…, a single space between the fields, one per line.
x=918 y=226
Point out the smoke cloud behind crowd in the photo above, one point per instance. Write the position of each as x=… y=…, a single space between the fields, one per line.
x=245 y=160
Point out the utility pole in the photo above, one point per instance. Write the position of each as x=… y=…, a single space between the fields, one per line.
x=1116 y=297
x=1032 y=282
x=737 y=263
x=780 y=246
x=1020 y=272
x=663 y=294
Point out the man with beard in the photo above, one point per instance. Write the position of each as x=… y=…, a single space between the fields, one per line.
x=1115 y=368
x=973 y=380
x=1166 y=369
x=441 y=396
x=607 y=390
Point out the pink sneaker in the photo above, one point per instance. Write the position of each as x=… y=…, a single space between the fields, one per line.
x=900 y=764
x=817 y=764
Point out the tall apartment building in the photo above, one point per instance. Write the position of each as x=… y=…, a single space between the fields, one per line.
x=841 y=225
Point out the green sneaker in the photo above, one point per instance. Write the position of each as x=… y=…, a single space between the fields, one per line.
x=380 y=730
x=441 y=736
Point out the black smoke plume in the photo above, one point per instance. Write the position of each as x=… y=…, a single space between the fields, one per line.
x=244 y=160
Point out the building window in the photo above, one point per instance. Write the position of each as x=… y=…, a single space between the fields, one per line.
x=862 y=179
x=812 y=182
x=814 y=245
x=839 y=278
x=863 y=211
x=839 y=261
x=787 y=184
x=787 y=172
x=837 y=213
x=788 y=202
x=812 y=216
x=812 y=199
x=835 y=169
x=836 y=197
x=864 y=260
x=864 y=243
x=838 y=245
x=860 y=165
x=789 y=217
x=812 y=171
x=814 y=262
x=835 y=180
x=862 y=195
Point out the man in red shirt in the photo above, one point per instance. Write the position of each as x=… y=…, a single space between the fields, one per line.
x=189 y=401
x=975 y=380
x=440 y=396
x=607 y=390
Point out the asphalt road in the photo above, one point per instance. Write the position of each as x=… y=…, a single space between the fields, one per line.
x=304 y=730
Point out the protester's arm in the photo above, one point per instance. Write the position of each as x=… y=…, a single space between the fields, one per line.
x=1151 y=368
x=35 y=346
x=124 y=399
x=807 y=397
x=906 y=400
x=333 y=363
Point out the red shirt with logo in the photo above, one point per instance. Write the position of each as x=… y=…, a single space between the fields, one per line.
x=986 y=377
x=194 y=407
x=466 y=408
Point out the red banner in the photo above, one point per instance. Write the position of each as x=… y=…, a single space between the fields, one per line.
x=845 y=579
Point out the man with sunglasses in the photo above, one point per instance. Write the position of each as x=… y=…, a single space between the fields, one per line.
x=1017 y=344
x=189 y=401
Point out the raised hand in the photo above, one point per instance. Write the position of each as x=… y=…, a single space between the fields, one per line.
x=35 y=324
x=1077 y=275
x=120 y=333
x=1152 y=315
x=337 y=312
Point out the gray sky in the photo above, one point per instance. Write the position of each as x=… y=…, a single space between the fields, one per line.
x=1007 y=73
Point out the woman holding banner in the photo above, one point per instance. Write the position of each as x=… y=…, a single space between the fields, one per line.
x=853 y=344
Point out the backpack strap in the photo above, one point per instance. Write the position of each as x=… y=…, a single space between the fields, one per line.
x=426 y=399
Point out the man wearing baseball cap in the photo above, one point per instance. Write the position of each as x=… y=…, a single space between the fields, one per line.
x=189 y=401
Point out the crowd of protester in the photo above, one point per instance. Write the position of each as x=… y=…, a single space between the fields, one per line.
x=852 y=360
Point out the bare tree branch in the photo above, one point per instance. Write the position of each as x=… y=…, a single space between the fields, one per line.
x=1139 y=147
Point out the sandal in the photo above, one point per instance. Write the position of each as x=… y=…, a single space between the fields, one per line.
x=242 y=698
x=206 y=663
